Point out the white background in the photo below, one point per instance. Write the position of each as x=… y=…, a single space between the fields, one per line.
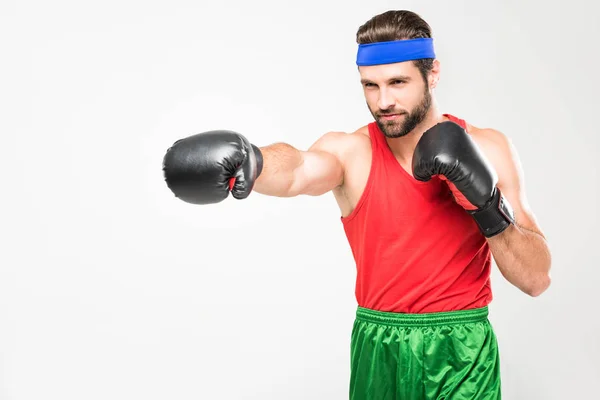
x=111 y=288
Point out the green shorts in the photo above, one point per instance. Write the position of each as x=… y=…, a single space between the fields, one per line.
x=445 y=355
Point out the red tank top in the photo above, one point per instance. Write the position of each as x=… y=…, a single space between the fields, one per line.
x=416 y=249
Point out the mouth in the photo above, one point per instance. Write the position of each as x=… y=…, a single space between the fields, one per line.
x=390 y=117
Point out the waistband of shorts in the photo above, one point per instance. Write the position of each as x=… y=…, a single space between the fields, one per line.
x=424 y=319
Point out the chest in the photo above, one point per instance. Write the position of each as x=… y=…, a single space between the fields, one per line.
x=390 y=180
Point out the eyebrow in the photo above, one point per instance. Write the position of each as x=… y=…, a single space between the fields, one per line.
x=393 y=78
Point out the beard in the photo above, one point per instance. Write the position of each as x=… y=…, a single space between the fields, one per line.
x=396 y=129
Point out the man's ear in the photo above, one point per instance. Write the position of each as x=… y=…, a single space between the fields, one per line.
x=434 y=75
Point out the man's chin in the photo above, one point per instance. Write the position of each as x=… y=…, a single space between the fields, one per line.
x=391 y=130
x=395 y=135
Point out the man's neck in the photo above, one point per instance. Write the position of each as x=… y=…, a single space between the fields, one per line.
x=404 y=147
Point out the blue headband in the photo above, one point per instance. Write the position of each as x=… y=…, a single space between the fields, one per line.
x=394 y=51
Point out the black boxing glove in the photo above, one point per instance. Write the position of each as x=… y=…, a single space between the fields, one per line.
x=448 y=151
x=204 y=168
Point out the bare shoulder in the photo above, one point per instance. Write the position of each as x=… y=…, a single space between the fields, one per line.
x=342 y=144
x=497 y=147
x=348 y=138
x=489 y=137
x=499 y=150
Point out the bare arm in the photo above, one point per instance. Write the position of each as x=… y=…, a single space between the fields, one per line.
x=289 y=172
x=521 y=251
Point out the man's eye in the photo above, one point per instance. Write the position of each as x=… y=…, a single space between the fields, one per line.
x=398 y=82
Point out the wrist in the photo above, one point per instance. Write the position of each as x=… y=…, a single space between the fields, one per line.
x=495 y=216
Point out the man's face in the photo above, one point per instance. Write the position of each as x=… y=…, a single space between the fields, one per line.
x=396 y=95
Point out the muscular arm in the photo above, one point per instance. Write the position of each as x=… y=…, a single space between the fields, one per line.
x=521 y=251
x=289 y=172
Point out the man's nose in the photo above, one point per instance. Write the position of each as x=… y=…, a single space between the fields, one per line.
x=385 y=100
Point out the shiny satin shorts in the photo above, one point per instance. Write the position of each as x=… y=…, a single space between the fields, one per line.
x=433 y=356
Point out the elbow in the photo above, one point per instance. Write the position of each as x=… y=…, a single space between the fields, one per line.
x=542 y=279
x=540 y=286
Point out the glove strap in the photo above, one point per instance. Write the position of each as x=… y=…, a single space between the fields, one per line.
x=495 y=216
x=259 y=160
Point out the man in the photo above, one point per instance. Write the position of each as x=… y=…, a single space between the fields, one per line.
x=426 y=201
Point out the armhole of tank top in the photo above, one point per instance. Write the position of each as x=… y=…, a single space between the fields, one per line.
x=459 y=121
x=367 y=191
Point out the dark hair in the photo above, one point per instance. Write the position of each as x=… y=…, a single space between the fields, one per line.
x=397 y=25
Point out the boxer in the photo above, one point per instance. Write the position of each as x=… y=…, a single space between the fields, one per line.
x=426 y=201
